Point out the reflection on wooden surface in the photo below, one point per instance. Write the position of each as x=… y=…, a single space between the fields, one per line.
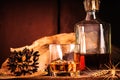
x=73 y=78
x=101 y=75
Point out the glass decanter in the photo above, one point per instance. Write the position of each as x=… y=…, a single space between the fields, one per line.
x=94 y=36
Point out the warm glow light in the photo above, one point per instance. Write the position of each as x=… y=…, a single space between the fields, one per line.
x=102 y=41
x=113 y=72
x=59 y=51
x=72 y=46
x=109 y=74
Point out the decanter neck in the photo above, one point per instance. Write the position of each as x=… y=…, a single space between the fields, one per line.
x=90 y=15
x=91 y=7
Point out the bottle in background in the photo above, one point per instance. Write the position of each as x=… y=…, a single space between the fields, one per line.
x=94 y=37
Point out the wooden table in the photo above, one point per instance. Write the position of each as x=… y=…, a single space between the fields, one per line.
x=86 y=76
x=63 y=78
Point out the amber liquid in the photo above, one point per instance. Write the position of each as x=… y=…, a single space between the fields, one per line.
x=93 y=61
x=61 y=66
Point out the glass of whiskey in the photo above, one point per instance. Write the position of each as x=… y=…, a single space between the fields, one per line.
x=62 y=59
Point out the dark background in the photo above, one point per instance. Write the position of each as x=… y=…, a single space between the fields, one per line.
x=24 y=21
